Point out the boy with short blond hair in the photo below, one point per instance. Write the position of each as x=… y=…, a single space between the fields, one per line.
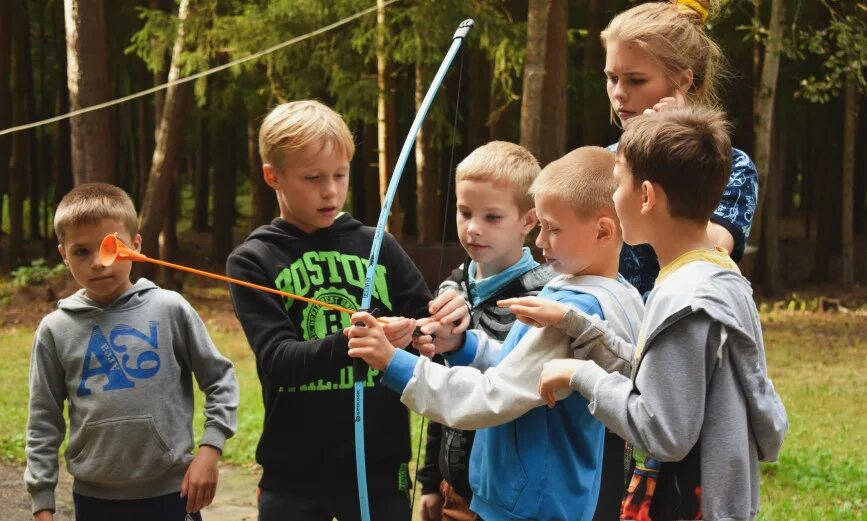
x=494 y=215
x=698 y=408
x=527 y=461
x=123 y=356
x=502 y=162
x=316 y=250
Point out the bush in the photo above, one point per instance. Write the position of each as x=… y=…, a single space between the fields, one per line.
x=36 y=273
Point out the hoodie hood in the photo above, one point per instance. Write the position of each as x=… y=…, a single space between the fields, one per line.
x=279 y=230
x=135 y=296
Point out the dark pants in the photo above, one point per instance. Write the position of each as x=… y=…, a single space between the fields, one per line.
x=325 y=505
x=171 y=507
x=613 y=484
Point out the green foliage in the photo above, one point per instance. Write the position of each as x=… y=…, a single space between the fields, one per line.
x=339 y=66
x=36 y=273
x=841 y=47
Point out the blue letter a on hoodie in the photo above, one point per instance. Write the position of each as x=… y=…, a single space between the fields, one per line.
x=99 y=350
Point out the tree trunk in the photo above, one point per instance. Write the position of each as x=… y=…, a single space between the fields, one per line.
x=769 y=253
x=370 y=174
x=828 y=189
x=168 y=239
x=45 y=108
x=534 y=76
x=166 y=154
x=224 y=191
x=263 y=200
x=478 y=107
x=596 y=107
x=554 y=108
x=427 y=169
x=386 y=110
x=763 y=123
x=202 y=185
x=861 y=176
x=142 y=160
x=850 y=121
x=63 y=178
x=87 y=77
x=24 y=69
x=22 y=112
x=5 y=94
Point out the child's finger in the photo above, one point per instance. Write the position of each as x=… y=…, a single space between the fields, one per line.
x=550 y=399
x=365 y=353
x=365 y=318
x=462 y=325
x=209 y=496
x=362 y=342
x=428 y=350
x=522 y=311
x=192 y=499
x=508 y=302
x=186 y=483
x=454 y=316
x=448 y=309
x=440 y=300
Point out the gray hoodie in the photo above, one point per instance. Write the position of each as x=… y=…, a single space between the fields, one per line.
x=126 y=371
x=699 y=382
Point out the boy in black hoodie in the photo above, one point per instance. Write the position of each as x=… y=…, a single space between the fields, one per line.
x=315 y=250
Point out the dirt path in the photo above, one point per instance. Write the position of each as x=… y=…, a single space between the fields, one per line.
x=235 y=500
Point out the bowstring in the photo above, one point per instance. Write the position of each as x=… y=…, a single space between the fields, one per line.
x=442 y=249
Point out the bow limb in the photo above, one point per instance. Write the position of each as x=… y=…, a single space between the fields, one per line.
x=358 y=367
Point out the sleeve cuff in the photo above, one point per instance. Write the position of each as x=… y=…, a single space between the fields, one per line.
x=399 y=371
x=585 y=378
x=42 y=500
x=737 y=234
x=572 y=323
x=214 y=437
x=467 y=353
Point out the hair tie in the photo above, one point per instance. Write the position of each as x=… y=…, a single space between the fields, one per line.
x=695 y=6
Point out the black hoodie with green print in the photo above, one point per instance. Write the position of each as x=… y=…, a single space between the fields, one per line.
x=301 y=352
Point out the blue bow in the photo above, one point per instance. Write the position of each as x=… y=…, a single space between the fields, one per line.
x=359 y=368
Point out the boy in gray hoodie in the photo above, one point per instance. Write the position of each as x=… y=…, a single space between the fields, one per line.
x=122 y=355
x=699 y=409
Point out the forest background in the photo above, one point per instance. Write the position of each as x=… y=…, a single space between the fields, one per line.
x=532 y=73
x=793 y=92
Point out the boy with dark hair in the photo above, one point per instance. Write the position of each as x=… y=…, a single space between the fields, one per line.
x=699 y=409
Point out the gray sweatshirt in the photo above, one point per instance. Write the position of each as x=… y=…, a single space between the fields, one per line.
x=699 y=382
x=126 y=371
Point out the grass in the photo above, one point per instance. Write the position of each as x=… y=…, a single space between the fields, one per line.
x=817 y=362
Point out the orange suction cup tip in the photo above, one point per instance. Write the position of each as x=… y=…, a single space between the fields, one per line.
x=113 y=249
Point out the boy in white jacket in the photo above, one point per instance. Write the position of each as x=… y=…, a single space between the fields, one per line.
x=529 y=462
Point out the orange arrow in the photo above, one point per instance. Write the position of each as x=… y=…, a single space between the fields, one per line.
x=113 y=249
